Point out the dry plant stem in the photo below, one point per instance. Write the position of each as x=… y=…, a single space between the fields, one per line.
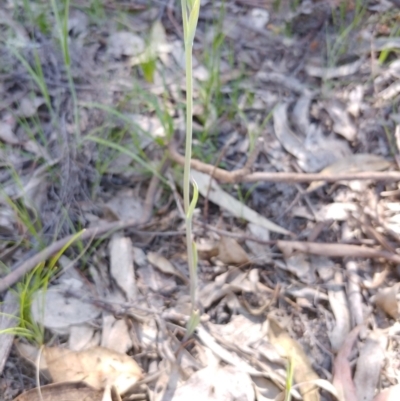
x=244 y=175
x=337 y=250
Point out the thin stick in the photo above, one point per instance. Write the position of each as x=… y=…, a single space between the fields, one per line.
x=243 y=175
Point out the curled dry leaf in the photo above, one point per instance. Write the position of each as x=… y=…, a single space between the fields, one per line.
x=76 y=391
x=97 y=367
x=165 y=266
x=387 y=300
x=314 y=151
x=342 y=123
x=291 y=349
x=231 y=253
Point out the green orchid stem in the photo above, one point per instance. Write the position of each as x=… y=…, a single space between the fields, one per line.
x=189 y=28
x=186 y=176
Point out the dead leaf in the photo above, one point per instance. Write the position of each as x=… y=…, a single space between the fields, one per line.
x=216 y=383
x=353 y=164
x=8 y=321
x=387 y=300
x=121 y=265
x=291 y=349
x=297 y=263
x=261 y=252
x=58 y=311
x=218 y=196
x=29 y=105
x=30 y=353
x=342 y=123
x=125 y=43
x=96 y=367
x=333 y=72
x=369 y=364
x=115 y=334
x=62 y=392
x=165 y=266
x=231 y=253
x=7 y=135
x=338 y=302
x=206 y=249
x=389 y=394
x=125 y=206
x=82 y=337
x=313 y=152
x=342 y=377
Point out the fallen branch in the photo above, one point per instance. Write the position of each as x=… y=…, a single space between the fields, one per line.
x=245 y=175
x=336 y=250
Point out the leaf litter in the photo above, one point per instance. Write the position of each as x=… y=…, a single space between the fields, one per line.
x=334 y=288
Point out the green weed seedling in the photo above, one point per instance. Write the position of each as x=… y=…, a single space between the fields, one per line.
x=38 y=279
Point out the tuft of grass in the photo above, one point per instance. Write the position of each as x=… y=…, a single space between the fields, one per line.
x=38 y=279
x=289 y=380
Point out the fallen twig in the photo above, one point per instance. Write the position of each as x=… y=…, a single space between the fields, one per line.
x=336 y=250
x=244 y=175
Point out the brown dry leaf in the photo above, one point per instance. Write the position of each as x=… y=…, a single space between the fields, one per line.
x=353 y=164
x=369 y=365
x=62 y=392
x=261 y=252
x=231 y=253
x=29 y=105
x=216 y=383
x=7 y=135
x=209 y=188
x=125 y=206
x=8 y=309
x=338 y=302
x=342 y=377
x=389 y=394
x=313 y=152
x=334 y=72
x=165 y=266
x=96 y=367
x=115 y=334
x=290 y=348
x=342 y=123
x=121 y=265
x=206 y=249
x=387 y=300
x=125 y=43
x=83 y=336
x=30 y=353
x=58 y=311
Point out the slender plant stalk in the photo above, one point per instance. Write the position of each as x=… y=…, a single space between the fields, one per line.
x=190 y=14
